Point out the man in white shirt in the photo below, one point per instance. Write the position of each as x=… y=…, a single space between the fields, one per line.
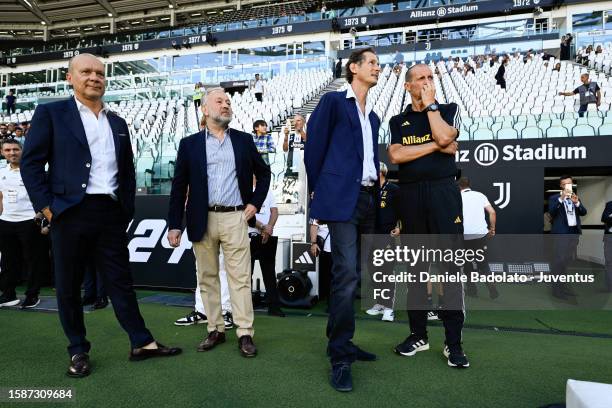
x=263 y=249
x=88 y=196
x=475 y=230
x=20 y=236
x=258 y=88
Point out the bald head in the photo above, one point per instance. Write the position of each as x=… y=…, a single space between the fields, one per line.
x=83 y=57
x=415 y=69
x=86 y=75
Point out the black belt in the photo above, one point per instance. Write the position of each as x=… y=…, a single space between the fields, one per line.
x=222 y=208
x=368 y=189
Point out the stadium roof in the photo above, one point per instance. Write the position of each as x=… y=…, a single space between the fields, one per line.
x=52 y=19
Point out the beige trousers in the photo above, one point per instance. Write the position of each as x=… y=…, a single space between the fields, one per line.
x=230 y=232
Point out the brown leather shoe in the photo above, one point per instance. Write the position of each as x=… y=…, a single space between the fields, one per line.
x=214 y=338
x=79 y=366
x=246 y=346
x=161 y=351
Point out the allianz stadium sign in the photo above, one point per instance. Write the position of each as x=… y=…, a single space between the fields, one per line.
x=444 y=11
x=557 y=152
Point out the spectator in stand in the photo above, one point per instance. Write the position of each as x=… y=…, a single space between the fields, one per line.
x=598 y=50
x=258 y=88
x=11 y=102
x=323 y=11
x=398 y=58
x=467 y=68
x=557 y=67
x=20 y=236
x=589 y=93
x=19 y=136
x=198 y=92
x=3 y=132
x=500 y=77
x=263 y=140
x=564 y=49
x=583 y=58
x=26 y=127
x=338 y=68
x=295 y=140
x=11 y=129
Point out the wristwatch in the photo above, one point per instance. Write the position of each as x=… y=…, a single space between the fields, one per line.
x=434 y=107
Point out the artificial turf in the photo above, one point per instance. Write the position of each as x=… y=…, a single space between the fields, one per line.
x=509 y=367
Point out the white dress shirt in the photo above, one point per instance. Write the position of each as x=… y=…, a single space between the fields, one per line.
x=104 y=170
x=16 y=204
x=369 y=175
x=570 y=211
x=265 y=212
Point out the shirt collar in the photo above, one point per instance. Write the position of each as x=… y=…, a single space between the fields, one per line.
x=208 y=134
x=350 y=94
x=81 y=107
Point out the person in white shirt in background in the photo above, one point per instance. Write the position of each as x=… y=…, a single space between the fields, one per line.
x=20 y=236
x=258 y=88
x=263 y=249
x=320 y=246
x=476 y=231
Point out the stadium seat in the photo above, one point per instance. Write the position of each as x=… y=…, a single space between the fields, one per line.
x=557 y=131
x=532 y=132
x=583 y=130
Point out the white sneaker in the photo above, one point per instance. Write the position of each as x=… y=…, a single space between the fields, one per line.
x=376 y=310
x=388 y=315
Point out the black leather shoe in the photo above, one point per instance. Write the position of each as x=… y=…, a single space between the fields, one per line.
x=362 y=355
x=275 y=311
x=214 y=338
x=88 y=301
x=79 y=366
x=341 y=378
x=101 y=303
x=161 y=351
x=246 y=346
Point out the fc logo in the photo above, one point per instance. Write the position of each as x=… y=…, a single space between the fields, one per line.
x=486 y=154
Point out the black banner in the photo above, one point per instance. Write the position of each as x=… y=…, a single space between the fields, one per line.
x=192 y=40
x=153 y=261
x=443 y=13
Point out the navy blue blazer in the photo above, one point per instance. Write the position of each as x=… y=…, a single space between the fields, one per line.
x=57 y=137
x=190 y=181
x=334 y=156
x=559 y=218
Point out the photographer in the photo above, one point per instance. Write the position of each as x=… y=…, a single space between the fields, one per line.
x=565 y=209
x=21 y=241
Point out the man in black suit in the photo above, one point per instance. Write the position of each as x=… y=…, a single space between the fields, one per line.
x=606 y=218
x=88 y=197
x=214 y=175
x=565 y=209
